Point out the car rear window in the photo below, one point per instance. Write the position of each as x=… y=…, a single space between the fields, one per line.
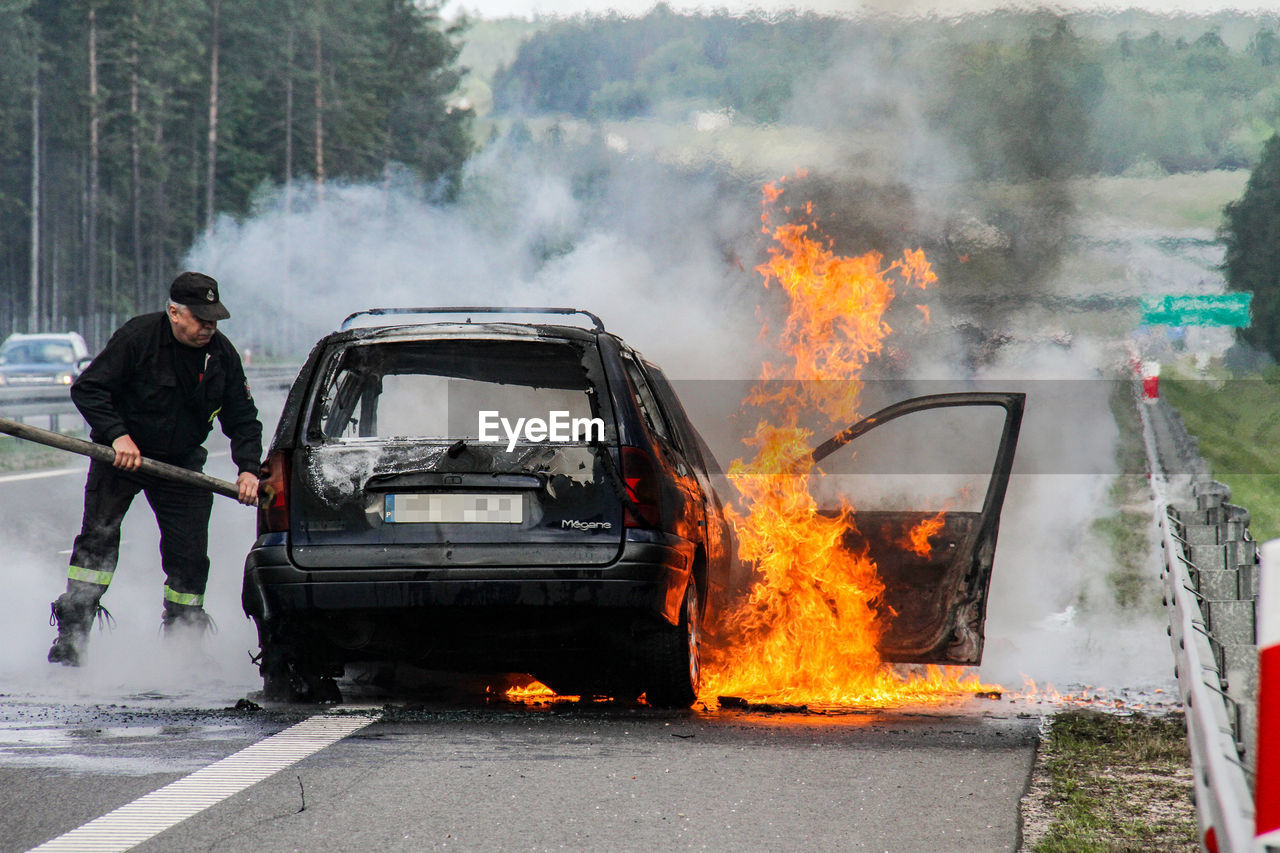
x=437 y=390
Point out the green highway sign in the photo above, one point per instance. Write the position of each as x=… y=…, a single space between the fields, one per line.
x=1218 y=309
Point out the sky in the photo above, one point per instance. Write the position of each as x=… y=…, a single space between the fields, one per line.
x=531 y=8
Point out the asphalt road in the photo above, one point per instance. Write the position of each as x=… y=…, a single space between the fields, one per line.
x=536 y=778
x=77 y=744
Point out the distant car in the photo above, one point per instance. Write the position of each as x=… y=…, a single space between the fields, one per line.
x=487 y=497
x=42 y=359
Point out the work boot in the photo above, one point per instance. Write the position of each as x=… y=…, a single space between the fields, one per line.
x=73 y=616
x=184 y=628
x=180 y=620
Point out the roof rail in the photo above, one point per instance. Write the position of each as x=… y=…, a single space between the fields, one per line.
x=469 y=309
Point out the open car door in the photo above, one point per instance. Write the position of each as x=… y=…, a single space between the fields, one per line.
x=934 y=604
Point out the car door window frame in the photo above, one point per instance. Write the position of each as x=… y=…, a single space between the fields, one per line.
x=647 y=401
x=1012 y=402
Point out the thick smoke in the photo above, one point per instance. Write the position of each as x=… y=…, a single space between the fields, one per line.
x=665 y=254
x=1053 y=614
x=1019 y=307
x=129 y=661
x=654 y=251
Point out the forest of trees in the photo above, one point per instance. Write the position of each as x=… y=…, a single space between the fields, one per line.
x=1251 y=231
x=616 y=67
x=128 y=126
x=1026 y=94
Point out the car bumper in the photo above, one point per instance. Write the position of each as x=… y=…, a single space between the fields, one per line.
x=648 y=578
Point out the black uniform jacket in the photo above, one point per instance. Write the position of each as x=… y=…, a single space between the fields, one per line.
x=135 y=386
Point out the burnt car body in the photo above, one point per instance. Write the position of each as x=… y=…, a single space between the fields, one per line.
x=397 y=533
x=934 y=606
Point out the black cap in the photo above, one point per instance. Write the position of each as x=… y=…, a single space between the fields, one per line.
x=198 y=292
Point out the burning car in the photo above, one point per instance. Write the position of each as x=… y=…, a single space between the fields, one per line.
x=532 y=497
x=489 y=497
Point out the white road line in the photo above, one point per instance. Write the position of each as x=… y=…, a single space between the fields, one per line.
x=152 y=814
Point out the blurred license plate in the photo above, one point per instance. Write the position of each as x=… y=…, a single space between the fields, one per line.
x=453 y=509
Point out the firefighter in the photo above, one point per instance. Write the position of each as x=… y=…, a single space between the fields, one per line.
x=154 y=391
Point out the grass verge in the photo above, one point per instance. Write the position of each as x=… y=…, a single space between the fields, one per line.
x=1125 y=533
x=1238 y=425
x=1126 y=530
x=1191 y=200
x=1111 y=783
x=19 y=455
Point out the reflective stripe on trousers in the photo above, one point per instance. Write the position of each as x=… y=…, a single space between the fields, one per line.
x=77 y=573
x=187 y=599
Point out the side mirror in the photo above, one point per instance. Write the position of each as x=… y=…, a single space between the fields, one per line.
x=82 y=364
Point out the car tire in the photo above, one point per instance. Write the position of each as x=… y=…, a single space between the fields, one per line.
x=297 y=688
x=672 y=656
x=284 y=680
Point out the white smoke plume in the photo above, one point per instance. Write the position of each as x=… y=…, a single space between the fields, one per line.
x=665 y=256
x=650 y=250
x=129 y=661
x=1053 y=614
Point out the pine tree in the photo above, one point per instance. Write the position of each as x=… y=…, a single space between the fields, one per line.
x=127 y=126
x=1251 y=231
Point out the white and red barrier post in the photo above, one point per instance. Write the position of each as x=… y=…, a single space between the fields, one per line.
x=1266 y=791
x=1150 y=372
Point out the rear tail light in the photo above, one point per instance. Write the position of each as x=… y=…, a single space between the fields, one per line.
x=640 y=474
x=273 y=509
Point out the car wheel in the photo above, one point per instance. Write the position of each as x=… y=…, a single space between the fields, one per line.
x=276 y=684
x=287 y=684
x=673 y=657
x=284 y=679
x=322 y=690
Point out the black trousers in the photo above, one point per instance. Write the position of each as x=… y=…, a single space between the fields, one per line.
x=182 y=513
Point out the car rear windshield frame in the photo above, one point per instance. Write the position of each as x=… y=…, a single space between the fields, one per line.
x=561 y=366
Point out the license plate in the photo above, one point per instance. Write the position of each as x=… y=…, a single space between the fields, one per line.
x=453 y=509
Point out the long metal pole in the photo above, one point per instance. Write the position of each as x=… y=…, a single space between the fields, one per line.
x=102 y=453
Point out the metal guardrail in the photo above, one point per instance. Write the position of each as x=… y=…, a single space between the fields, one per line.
x=1224 y=802
x=24 y=394
x=54 y=401
x=1210 y=578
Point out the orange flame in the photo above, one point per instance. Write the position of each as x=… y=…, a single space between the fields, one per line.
x=809 y=628
x=917 y=538
x=836 y=323
x=532 y=690
x=535 y=692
